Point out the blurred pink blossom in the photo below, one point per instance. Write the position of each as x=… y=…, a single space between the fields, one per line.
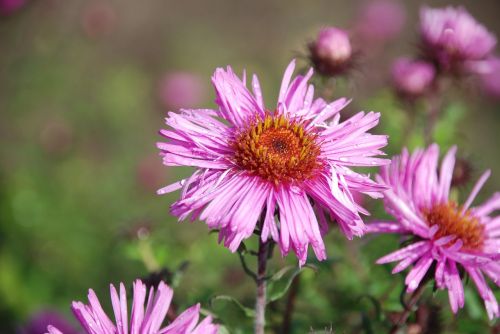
x=8 y=7
x=149 y=173
x=412 y=78
x=181 y=89
x=490 y=78
x=38 y=322
x=380 y=20
x=451 y=36
x=98 y=19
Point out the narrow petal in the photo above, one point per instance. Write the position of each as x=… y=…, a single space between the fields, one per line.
x=184 y=323
x=53 y=330
x=155 y=314
x=385 y=227
x=479 y=184
x=418 y=247
x=418 y=272
x=446 y=174
x=286 y=81
x=485 y=292
x=206 y=327
x=137 y=313
x=120 y=308
x=489 y=206
x=236 y=104
x=454 y=285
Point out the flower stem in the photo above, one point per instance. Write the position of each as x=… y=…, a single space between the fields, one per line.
x=260 y=302
x=415 y=297
x=431 y=119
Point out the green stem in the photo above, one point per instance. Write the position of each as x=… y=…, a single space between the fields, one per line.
x=260 y=302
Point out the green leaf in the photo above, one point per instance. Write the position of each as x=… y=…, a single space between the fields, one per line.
x=248 y=312
x=281 y=281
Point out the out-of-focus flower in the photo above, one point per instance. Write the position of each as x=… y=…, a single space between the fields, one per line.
x=143 y=319
x=331 y=53
x=412 y=78
x=181 y=90
x=490 y=77
x=38 y=323
x=8 y=7
x=98 y=18
x=451 y=236
x=149 y=173
x=451 y=36
x=286 y=158
x=380 y=21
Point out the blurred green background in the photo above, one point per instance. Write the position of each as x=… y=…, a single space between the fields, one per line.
x=84 y=87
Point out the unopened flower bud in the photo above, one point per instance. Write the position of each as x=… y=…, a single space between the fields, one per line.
x=331 y=52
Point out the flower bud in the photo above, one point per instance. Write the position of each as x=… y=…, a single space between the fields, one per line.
x=331 y=52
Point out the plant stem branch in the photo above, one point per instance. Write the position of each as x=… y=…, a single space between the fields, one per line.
x=260 y=302
x=246 y=269
x=434 y=110
x=415 y=297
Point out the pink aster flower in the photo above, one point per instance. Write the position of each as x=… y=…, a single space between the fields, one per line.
x=143 y=320
x=252 y=162
x=412 y=78
x=447 y=237
x=452 y=35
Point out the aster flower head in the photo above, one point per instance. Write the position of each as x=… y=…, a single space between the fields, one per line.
x=331 y=52
x=144 y=319
x=292 y=160
x=451 y=36
x=412 y=78
x=448 y=239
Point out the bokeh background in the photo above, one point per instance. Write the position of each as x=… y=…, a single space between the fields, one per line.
x=84 y=87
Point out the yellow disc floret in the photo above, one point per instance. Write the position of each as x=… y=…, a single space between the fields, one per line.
x=278 y=150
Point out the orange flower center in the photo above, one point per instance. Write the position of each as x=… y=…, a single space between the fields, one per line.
x=450 y=220
x=278 y=150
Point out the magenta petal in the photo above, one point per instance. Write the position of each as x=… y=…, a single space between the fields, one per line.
x=418 y=272
x=418 y=247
